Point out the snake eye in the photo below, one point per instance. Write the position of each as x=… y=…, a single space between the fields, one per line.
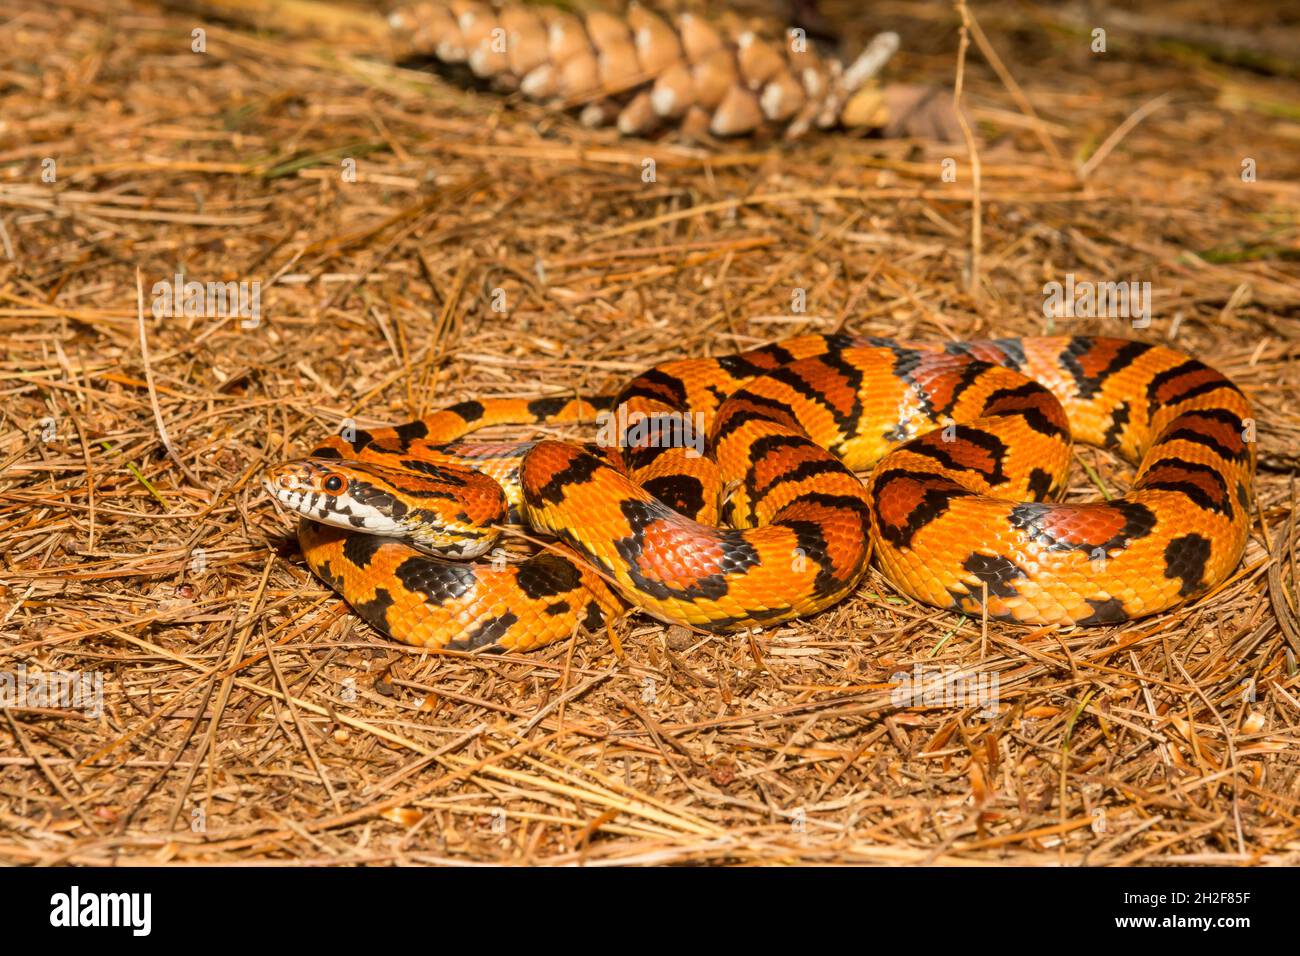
x=333 y=483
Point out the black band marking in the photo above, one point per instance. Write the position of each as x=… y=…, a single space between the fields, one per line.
x=487 y=632
x=546 y=575
x=995 y=571
x=1185 y=559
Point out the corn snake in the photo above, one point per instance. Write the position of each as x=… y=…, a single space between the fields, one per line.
x=967 y=444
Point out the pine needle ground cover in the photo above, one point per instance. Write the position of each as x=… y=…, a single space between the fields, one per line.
x=383 y=242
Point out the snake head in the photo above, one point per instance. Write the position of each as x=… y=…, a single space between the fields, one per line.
x=450 y=512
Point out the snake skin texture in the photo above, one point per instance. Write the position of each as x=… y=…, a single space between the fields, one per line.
x=967 y=445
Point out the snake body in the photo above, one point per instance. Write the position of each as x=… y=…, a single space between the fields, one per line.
x=967 y=444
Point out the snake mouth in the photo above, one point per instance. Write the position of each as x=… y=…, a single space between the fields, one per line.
x=323 y=493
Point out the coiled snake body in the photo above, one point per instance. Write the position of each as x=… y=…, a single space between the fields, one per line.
x=967 y=442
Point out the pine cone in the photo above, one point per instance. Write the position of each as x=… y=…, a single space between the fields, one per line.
x=719 y=78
